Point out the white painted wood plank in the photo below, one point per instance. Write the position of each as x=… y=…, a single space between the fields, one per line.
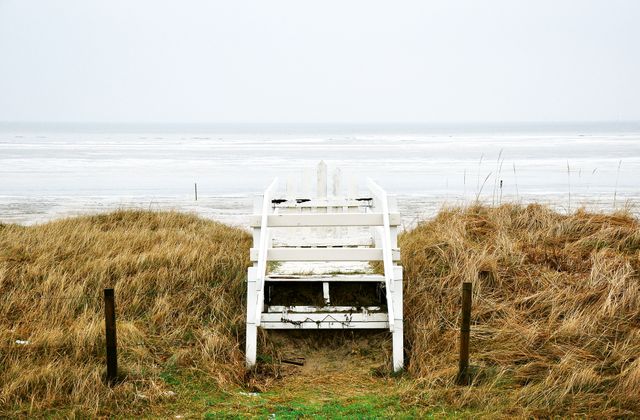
x=301 y=241
x=380 y=196
x=322 y=179
x=322 y=278
x=356 y=204
x=398 y=324
x=397 y=294
x=325 y=293
x=327 y=219
x=265 y=244
x=252 y=294
x=251 y=345
x=374 y=325
x=398 y=346
x=310 y=309
x=325 y=317
x=325 y=254
x=337 y=179
x=257 y=209
x=251 y=340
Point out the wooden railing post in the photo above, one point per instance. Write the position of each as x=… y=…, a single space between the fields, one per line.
x=322 y=180
x=110 y=330
x=465 y=329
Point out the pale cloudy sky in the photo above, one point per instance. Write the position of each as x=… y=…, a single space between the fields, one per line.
x=319 y=61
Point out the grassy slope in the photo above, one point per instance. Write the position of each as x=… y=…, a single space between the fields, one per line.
x=179 y=297
x=556 y=321
x=556 y=313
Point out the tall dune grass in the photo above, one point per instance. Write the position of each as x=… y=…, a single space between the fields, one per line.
x=556 y=309
x=555 y=320
x=179 y=286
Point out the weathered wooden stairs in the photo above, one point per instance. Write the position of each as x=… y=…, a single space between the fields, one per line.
x=312 y=262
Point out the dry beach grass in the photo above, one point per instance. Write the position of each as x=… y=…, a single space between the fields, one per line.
x=179 y=295
x=556 y=315
x=555 y=322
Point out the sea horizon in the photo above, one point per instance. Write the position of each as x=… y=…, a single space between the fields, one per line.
x=64 y=170
x=438 y=128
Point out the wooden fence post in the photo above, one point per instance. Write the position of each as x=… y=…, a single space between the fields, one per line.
x=110 y=330
x=465 y=329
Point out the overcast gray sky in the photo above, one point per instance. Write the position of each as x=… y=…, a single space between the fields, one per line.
x=319 y=61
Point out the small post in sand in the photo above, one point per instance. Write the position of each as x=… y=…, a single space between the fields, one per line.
x=110 y=330
x=465 y=329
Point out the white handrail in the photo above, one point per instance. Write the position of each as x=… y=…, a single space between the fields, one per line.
x=386 y=232
x=385 y=237
x=388 y=281
x=261 y=269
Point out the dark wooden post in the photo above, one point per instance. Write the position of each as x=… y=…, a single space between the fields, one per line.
x=465 y=329
x=195 y=190
x=110 y=329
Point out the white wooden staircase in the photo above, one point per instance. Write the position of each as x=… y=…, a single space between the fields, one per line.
x=312 y=259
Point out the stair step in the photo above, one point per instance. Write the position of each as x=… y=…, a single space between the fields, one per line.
x=325 y=219
x=324 y=254
x=315 y=203
x=324 y=320
x=279 y=309
x=326 y=277
x=322 y=242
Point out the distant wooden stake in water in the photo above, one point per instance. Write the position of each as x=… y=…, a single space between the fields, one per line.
x=615 y=192
x=465 y=329
x=195 y=190
x=111 y=340
x=569 y=184
x=515 y=175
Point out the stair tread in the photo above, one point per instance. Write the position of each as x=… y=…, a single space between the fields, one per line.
x=307 y=309
x=326 y=277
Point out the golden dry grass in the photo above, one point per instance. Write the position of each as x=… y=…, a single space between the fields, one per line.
x=179 y=285
x=555 y=321
x=556 y=309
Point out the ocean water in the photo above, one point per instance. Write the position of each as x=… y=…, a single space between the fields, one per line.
x=52 y=172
